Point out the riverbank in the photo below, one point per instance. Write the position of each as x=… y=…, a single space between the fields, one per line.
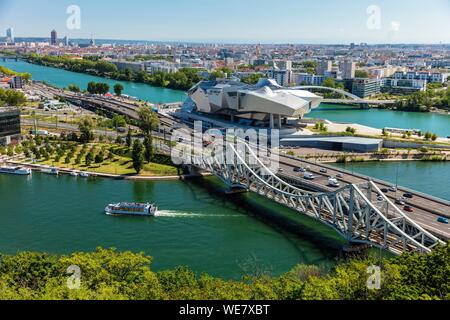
x=324 y=156
x=39 y=168
x=182 y=79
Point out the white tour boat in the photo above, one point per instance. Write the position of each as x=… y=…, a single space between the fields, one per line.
x=131 y=209
x=84 y=174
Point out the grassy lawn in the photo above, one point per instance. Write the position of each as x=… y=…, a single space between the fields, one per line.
x=120 y=165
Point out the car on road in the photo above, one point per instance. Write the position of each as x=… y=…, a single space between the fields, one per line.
x=323 y=170
x=408 y=195
x=408 y=209
x=333 y=182
x=298 y=169
x=393 y=188
x=442 y=220
x=309 y=176
x=400 y=202
x=339 y=175
x=380 y=198
x=384 y=190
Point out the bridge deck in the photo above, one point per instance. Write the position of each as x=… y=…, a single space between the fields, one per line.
x=426 y=209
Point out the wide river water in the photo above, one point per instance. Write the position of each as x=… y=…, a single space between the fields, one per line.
x=62 y=78
x=197 y=226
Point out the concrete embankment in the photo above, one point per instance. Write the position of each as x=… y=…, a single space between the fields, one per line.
x=37 y=167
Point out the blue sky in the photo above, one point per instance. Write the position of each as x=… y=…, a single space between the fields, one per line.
x=266 y=21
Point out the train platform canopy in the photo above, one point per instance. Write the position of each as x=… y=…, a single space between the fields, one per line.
x=349 y=144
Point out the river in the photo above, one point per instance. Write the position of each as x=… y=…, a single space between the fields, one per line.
x=62 y=78
x=197 y=226
x=380 y=118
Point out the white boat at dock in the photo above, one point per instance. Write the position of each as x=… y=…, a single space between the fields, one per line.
x=16 y=170
x=53 y=171
x=84 y=175
x=131 y=209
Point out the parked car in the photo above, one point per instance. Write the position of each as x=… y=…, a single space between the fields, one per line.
x=408 y=209
x=408 y=195
x=442 y=220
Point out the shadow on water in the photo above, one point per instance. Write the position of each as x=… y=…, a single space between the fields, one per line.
x=286 y=221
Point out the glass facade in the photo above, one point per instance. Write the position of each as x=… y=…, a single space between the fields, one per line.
x=9 y=122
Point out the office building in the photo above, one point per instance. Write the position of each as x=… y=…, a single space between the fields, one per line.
x=403 y=86
x=9 y=125
x=123 y=65
x=53 y=38
x=306 y=79
x=323 y=67
x=16 y=82
x=364 y=88
x=282 y=77
x=348 y=69
x=10 y=35
x=92 y=42
x=431 y=77
x=66 y=41
x=160 y=66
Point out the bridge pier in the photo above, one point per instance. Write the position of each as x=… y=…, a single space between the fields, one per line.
x=236 y=190
x=364 y=106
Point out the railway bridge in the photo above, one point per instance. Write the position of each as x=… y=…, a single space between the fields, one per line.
x=351 y=210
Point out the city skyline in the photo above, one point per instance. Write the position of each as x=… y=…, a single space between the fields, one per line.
x=251 y=21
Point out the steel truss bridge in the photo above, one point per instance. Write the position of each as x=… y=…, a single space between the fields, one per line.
x=354 y=211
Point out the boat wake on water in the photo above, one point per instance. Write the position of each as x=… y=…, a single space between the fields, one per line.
x=180 y=214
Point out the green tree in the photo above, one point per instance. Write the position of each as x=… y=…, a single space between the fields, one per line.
x=73 y=88
x=86 y=126
x=148 y=146
x=92 y=87
x=128 y=139
x=101 y=88
x=118 y=121
x=329 y=82
x=118 y=88
x=361 y=74
x=99 y=158
x=89 y=159
x=148 y=121
x=138 y=156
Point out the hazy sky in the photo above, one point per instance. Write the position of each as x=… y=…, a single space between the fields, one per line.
x=266 y=21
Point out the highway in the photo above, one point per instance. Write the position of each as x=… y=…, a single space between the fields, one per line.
x=426 y=210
